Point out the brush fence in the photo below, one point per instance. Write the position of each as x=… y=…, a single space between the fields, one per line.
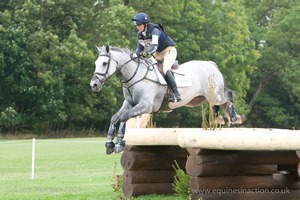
x=228 y=163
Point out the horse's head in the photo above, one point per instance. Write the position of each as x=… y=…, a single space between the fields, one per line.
x=105 y=67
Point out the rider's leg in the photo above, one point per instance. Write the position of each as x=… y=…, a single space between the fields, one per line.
x=168 y=57
x=171 y=81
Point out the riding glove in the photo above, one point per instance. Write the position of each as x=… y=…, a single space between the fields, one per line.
x=144 y=54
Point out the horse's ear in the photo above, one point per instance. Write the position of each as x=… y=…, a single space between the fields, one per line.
x=107 y=49
x=97 y=49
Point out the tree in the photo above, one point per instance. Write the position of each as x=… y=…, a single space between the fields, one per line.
x=42 y=67
x=14 y=78
x=276 y=32
x=47 y=58
x=226 y=40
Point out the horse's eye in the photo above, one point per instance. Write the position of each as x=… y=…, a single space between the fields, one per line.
x=105 y=63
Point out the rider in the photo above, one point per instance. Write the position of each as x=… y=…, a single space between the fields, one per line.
x=152 y=40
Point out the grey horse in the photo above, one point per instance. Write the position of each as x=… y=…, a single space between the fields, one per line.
x=145 y=90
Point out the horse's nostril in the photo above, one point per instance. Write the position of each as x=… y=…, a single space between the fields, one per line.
x=95 y=85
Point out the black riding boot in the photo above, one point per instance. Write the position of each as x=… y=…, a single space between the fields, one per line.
x=171 y=82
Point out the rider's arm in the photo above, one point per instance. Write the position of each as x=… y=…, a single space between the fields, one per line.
x=154 y=42
x=139 y=49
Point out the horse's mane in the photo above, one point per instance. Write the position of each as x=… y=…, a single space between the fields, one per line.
x=117 y=49
x=121 y=50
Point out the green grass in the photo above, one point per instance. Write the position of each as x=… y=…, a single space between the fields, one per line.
x=64 y=169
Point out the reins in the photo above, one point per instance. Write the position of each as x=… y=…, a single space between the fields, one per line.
x=148 y=66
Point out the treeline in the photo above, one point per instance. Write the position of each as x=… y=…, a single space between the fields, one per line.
x=47 y=58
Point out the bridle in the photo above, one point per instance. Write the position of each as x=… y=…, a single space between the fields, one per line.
x=118 y=69
x=97 y=74
x=136 y=59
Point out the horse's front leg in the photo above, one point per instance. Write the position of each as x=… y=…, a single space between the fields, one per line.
x=110 y=145
x=120 y=143
x=137 y=110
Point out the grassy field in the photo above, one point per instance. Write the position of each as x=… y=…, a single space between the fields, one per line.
x=64 y=169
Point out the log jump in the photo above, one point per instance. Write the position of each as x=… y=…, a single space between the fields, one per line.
x=228 y=163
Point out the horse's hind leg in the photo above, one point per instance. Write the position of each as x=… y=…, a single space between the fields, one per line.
x=226 y=110
x=217 y=117
x=215 y=109
x=229 y=110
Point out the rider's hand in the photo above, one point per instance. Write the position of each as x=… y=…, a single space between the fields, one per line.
x=133 y=55
x=144 y=54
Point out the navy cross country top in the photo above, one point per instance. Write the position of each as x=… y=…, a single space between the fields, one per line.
x=148 y=42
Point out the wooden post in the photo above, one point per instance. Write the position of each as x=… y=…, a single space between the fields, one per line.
x=276 y=181
x=148 y=176
x=241 y=139
x=225 y=165
x=224 y=159
x=248 y=194
x=151 y=136
x=298 y=171
x=149 y=169
x=133 y=190
x=269 y=157
x=233 y=170
x=136 y=160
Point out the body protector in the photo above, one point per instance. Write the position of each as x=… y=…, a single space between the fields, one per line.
x=153 y=39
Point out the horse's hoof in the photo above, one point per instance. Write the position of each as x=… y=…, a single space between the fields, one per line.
x=119 y=148
x=237 y=120
x=110 y=147
x=243 y=118
x=109 y=150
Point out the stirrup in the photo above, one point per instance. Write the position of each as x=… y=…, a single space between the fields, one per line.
x=177 y=97
x=176 y=100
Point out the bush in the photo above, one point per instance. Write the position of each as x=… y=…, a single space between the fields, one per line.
x=181 y=183
x=9 y=119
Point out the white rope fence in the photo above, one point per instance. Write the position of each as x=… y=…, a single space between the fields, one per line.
x=33 y=158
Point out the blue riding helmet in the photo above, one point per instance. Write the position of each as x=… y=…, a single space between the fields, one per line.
x=140 y=18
